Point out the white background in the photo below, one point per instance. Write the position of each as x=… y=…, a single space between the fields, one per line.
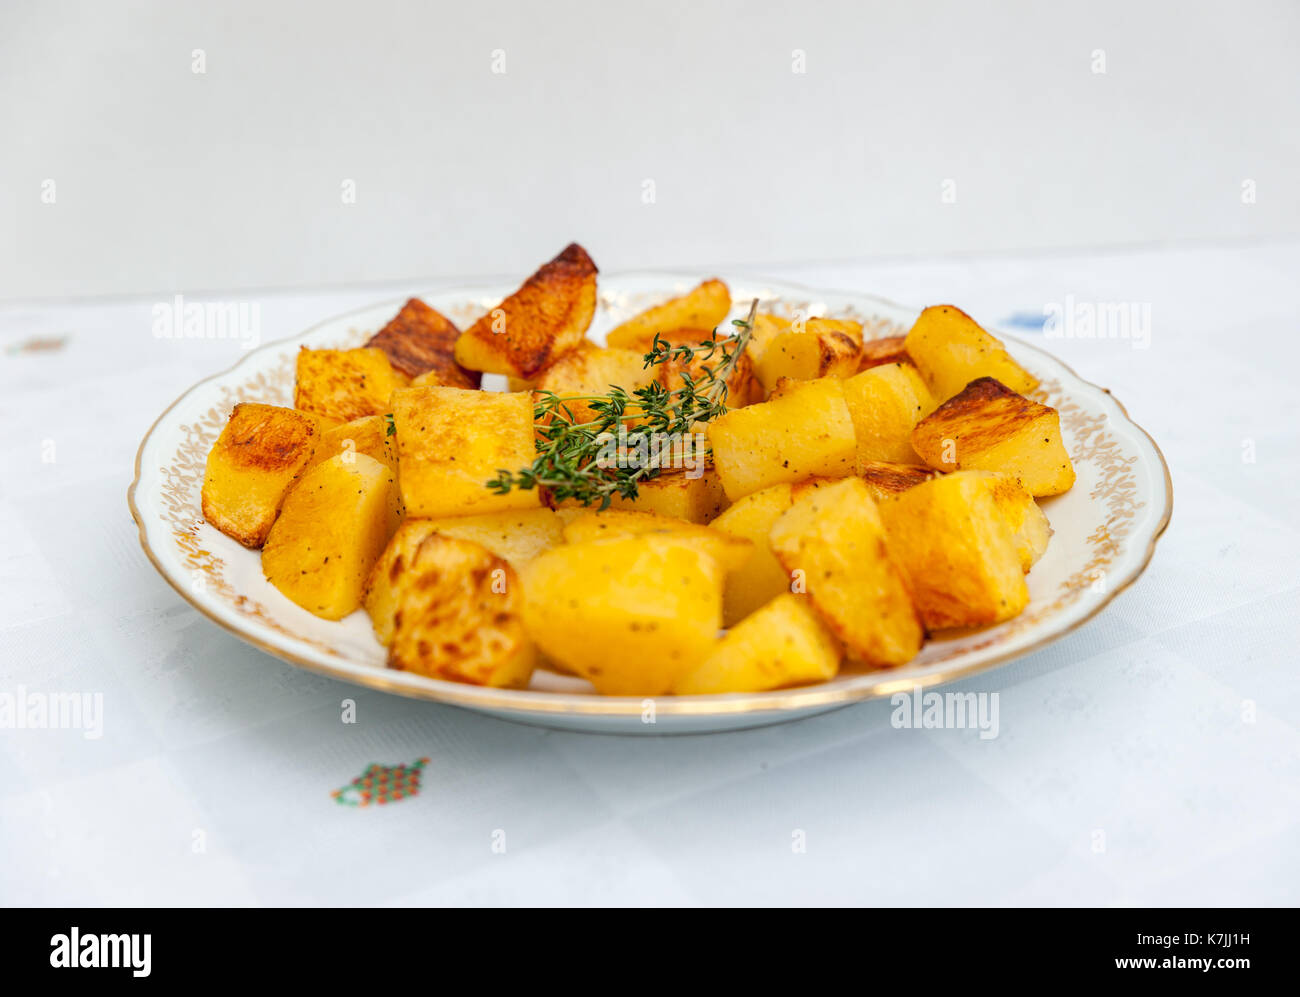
x=167 y=180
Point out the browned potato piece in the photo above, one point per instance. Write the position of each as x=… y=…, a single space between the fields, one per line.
x=450 y=442
x=952 y=350
x=886 y=403
x=332 y=529
x=420 y=342
x=991 y=428
x=884 y=479
x=383 y=584
x=889 y=349
x=342 y=385
x=459 y=617
x=815 y=347
x=807 y=430
x=958 y=552
x=832 y=540
x=704 y=307
x=593 y=370
x=540 y=322
x=742 y=387
x=255 y=461
x=675 y=493
x=371 y=435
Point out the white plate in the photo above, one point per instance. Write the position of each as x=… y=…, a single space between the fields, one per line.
x=1105 y=528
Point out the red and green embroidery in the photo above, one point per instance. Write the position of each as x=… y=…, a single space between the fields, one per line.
x=382 y=784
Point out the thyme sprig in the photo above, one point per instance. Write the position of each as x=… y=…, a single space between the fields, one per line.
x=568 y=443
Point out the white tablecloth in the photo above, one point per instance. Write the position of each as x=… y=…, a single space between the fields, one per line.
x=1151 y=758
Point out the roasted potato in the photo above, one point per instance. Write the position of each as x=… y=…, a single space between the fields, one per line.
x=951 y=350
x=959 y=553
x=812 y=348
x=698 y=499
x=704 y=307
x=256 y=460
x=592 y=370
x=459 y=617
x=888 y=349
x=832 y=540
x=883 y=478
x=382 y=589
x=540 y=322
x=420 y=342
x=762 y=579
x=782 y=644
x=342 y=385
x=630 y=614
x=989 y=427
x=886 y=403
x=808 y=430
x=330 y=532
x=742 y=386
x=1030 y=530
x=372 y=435
x=732 y=552
x=450 y=442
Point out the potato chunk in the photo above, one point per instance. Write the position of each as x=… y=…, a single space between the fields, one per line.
x=783 y=644
x=886 y=403
x=951 y=350
x=342 y=385
x=676 y=494
x=888 y=349
x=332 y=529
x=370 y=435
x=806 y=431
x=540 y=322
x=884 y=479
x=742 y=386
x=732 y=552
x=420 y=342
x=256 y=460
x=833 y=540
x=763 y=578
x=459 y=617
x=958 y=551
x=450 y=442
x=593 y=370
x=704 y=307
x=989 y=427
x=815 y=347
x=629 y=614
x=1030 y=530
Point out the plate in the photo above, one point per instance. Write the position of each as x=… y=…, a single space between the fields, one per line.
x=1105 y=528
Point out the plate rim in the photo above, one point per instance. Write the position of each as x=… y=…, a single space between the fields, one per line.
x=520 y=703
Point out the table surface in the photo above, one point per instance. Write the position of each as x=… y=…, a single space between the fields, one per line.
x=1152 y=757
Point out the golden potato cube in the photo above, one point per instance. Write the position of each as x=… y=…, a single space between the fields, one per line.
x=958 y=552
x=704 y=307
x=420 y=342
x=372 y=435
x=989 y=427
x=342 y=385
x=951 y=350
x=782 y=644
x=732 y=552
x=679 y=495
x=331 y=531
x=451 y=442
x=459 y=617
x=763 y=578
x=832 y=543
x=381 y=592
x=256 y=460
x=629 y=614
x=1030 y=529
x=815 y=347
x=887 y=349
x=886 y=402
x=593 y=370
x=808 y=430
x=883 y=478
x=540 y=322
